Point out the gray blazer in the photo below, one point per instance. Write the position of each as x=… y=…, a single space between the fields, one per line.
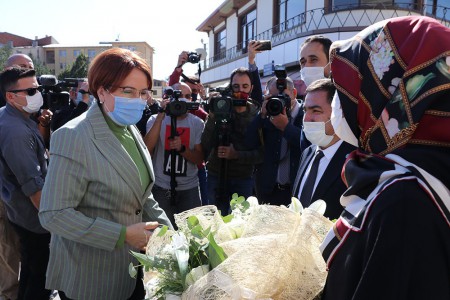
x=92 y=189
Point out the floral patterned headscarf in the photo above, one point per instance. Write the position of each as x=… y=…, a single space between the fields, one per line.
x=393 y=81
x=393 y=102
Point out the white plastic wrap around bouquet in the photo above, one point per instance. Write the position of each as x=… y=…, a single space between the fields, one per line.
x=273 y=253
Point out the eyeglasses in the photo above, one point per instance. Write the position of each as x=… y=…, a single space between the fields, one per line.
x=29 y=91
x=131 y=92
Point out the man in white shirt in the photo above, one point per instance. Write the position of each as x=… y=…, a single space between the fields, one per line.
x=319 y=173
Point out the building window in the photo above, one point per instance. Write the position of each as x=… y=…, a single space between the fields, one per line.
x=440 y=9
x=129 y=47
x=290 y=13
x=220 y=44
x=248 y=29
x=50 y=57
x=62 y=53
x=62 y=66
x=76 y=53
x=155 y=92
x=91 y=54
x=346 y=4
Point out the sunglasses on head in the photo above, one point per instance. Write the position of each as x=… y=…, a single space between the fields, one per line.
x=29 y=91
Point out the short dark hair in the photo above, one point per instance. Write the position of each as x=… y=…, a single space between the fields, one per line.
x=10 y=76
x=323 y=85
x=324 y=41
x=240 y=71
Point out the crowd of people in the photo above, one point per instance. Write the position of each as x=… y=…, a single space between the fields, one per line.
x=365 y=131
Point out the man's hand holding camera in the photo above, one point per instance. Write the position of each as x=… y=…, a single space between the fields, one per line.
x=253 y=50
x=182 y=59
x=280 y=121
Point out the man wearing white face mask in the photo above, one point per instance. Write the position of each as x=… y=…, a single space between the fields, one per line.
x=319 y=173
x=189 y=154
x=314 y=59
x=23 y=167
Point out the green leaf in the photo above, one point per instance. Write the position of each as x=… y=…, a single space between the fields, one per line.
x=245 y=205
x=207 y=231
x=192 y=221
x=197 y=231
x=227 y=219
x=216 y=254
x=143 y=258
x=163 y=230
x=132 y=270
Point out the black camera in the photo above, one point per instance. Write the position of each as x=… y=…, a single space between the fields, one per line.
x=53 y=93
x=222 y=106
x=194 y=57
x=176 y=107
x=275 y=105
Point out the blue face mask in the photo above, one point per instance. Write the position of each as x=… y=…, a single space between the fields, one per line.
x=127 y=111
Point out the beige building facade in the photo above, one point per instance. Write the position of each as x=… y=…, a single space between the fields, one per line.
x=57 y=57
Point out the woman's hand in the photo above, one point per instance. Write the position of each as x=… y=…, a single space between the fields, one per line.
x=137 y=235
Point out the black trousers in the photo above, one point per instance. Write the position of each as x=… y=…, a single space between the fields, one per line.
x=138 y=293
x=34 y=254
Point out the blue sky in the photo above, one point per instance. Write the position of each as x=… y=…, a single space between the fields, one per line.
x=167 y=25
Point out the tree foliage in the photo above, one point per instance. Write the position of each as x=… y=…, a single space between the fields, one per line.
x=78 y=69
x=5 y=52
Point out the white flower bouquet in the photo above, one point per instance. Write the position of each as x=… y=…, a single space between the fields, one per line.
x=257 y=252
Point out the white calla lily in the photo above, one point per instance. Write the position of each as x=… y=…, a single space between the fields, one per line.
x=181 y=249
x=196 y=273
x=253 y=201
x=319 y=206
x=296 y=206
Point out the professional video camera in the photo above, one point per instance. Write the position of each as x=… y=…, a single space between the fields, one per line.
x=222 y=106
x=53 y=93
x=176 y=107
x=276 y=104
x=194 y=57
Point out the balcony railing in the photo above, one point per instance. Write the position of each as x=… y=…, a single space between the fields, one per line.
x=340 y=19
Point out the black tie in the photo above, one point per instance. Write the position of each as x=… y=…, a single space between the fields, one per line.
x=308 y=187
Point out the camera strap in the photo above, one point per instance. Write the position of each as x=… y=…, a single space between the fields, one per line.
x=187 y=79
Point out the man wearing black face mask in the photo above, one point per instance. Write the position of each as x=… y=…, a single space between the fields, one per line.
x=319 y=172
x=239 y=157
x=23 y=166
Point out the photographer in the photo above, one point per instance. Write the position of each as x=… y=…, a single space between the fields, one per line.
x=231 y=162
x=197 y=94
x=197 y=89
x=277 y=128
x=80 y=100
x=188 y=153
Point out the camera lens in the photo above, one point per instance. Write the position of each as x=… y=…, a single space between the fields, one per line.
x=274 y=106
x=193 y=58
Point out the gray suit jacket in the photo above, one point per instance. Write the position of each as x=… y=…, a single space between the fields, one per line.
x=92 y=189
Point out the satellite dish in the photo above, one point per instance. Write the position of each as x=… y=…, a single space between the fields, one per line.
x=201 y=51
